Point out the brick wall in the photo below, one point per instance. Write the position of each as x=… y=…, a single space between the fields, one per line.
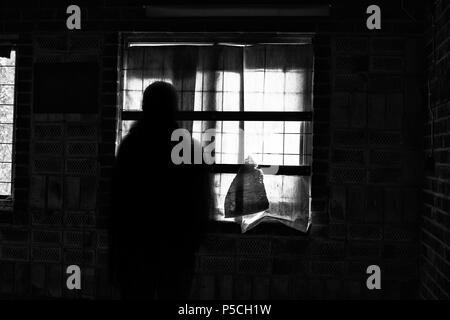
x=435 y=232
x=366 y=172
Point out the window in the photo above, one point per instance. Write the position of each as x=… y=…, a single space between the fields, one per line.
x=7 y=80
x=256 y=94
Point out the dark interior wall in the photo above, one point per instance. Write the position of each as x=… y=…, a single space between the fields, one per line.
x=366 y=174
x=435 y=234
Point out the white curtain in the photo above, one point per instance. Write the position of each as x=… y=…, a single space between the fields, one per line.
x=250 y=78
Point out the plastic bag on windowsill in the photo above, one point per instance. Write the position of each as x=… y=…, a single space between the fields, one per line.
x=247 y=194
x=253 y=198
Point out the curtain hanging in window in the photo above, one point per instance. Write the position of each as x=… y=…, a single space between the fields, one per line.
x=250 y=78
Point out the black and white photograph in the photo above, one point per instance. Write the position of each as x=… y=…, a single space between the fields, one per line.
x=221 y=157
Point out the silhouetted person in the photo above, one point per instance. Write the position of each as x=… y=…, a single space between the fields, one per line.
x=159 y=208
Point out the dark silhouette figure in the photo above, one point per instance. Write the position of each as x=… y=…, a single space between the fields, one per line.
x=159 y=208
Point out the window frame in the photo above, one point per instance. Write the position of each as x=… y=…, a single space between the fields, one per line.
x=6 y=201
x=215 y=38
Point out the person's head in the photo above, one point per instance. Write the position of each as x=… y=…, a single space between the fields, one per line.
x=160 y=102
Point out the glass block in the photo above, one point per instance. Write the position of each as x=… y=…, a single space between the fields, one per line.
x=7 y=75
x=5 y=189
x=8 y=62
x=6 y=133
x=6 y=94
x=5 y=172
x=6 y=113
x=5 y=152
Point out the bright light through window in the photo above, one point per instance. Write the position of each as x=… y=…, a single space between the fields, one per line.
x=256 y=98
x=7 y=80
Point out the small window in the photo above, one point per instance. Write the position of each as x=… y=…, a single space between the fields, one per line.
x=7 y=82
x=256 y=95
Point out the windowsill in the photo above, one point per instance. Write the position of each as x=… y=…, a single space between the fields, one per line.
x=264 y=228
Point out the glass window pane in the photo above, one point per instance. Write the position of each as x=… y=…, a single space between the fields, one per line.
x=218 y=142
x=5 y=152
x=253 y=101
x=6 y=113
x=6 y=133
x=275 y=78
x=254 y=81
x=197 y=126
x=6 y=94
x=228 y=158
x=288 y=195
x=231 y=101
x=7 y=79
x=257 y=157
x=133 y=80
x=259 y=139
x=291 y=160
x=274 y=81
x=198 y=81
x=186 y=101
x=135 y=58
x=5 y=171
x=273 y=102
x=230 y=143
x=151 y=76
x=292 y=144
x=292 y=127
x=213 y=101
x=293 y=102
x=8 y=62
x=5 y=189
x=230 y=126
x=298 y=82
x=253 y=143
x=132 y=100
x=126 y=126
x=272 y=159
x=273 y=143
x=273 y=127
x=7 y=75
x=232 y=82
